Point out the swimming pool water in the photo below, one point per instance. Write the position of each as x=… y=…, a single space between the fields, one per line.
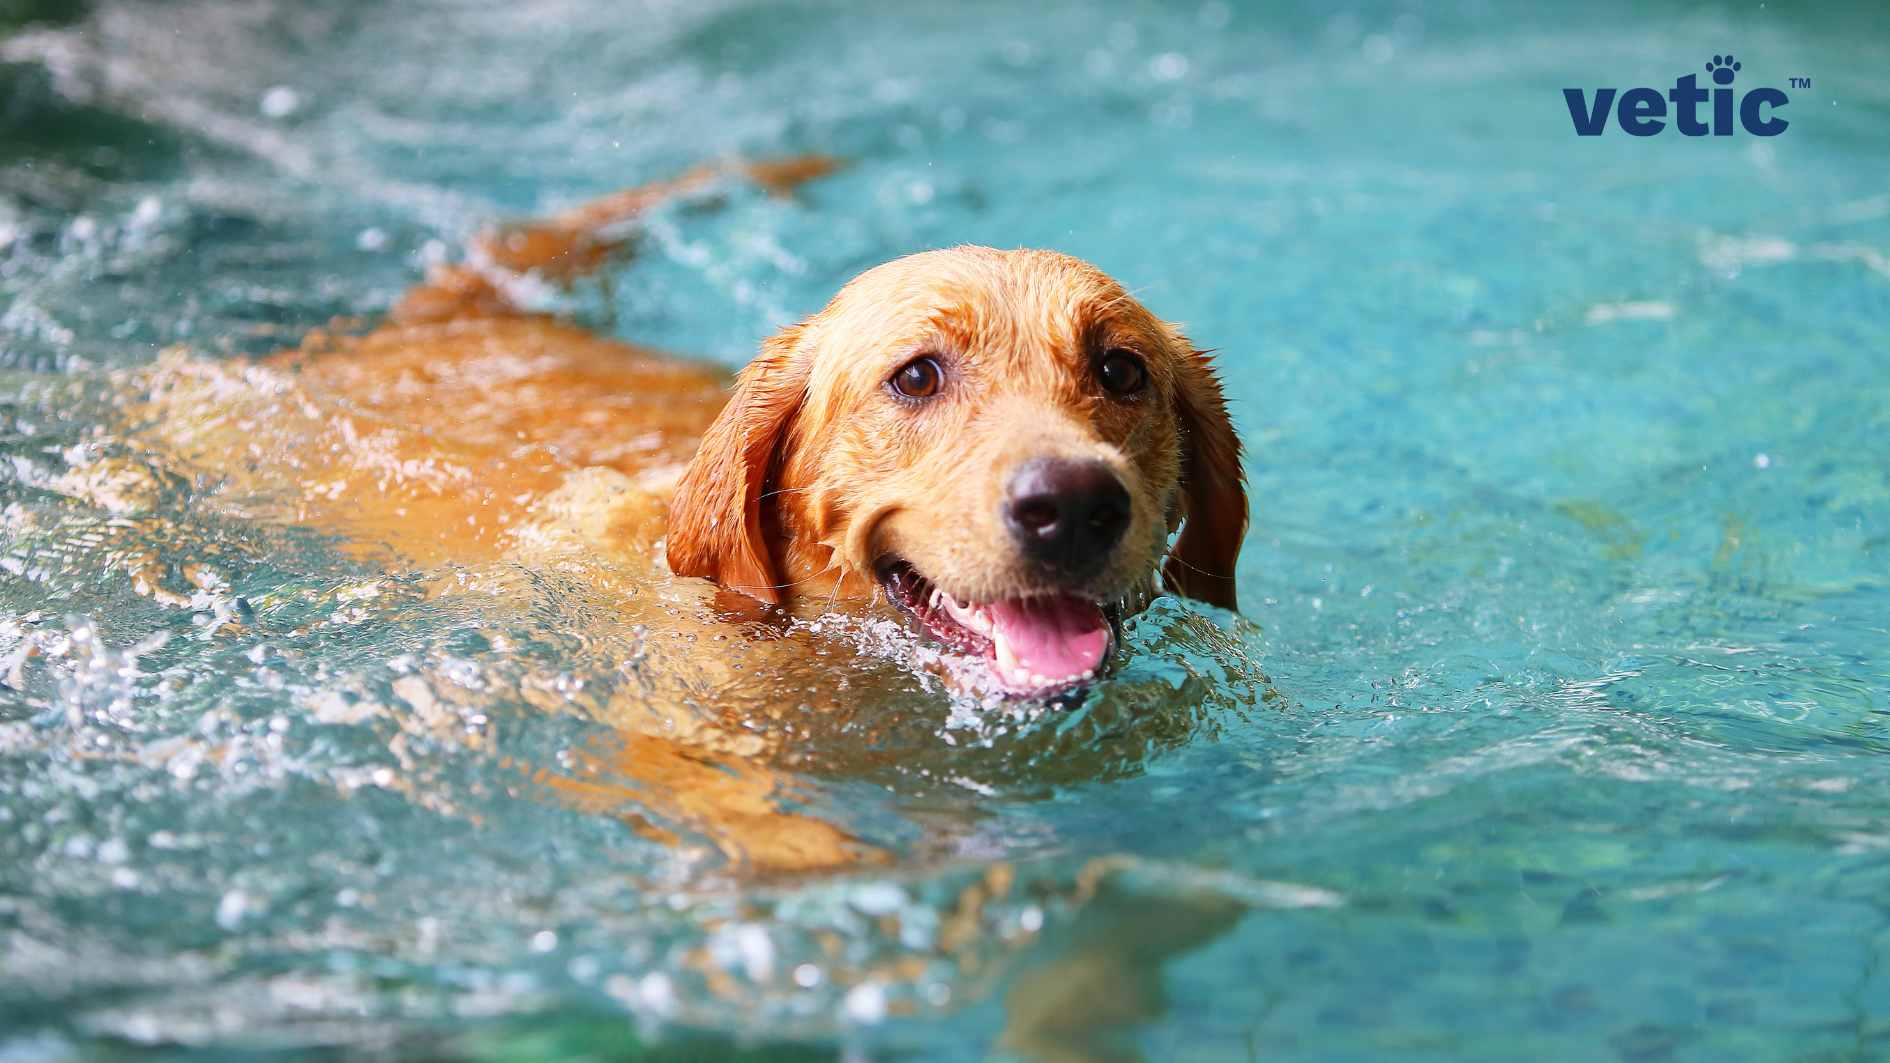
x=1555 y=724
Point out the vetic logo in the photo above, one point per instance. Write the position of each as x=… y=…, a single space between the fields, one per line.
x=1643 y=112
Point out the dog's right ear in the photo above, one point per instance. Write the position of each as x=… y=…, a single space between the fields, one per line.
x=1215 y=490
x=715 y=527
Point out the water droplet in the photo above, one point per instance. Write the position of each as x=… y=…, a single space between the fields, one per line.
x=865 y=1004
x=280 y=101
x=232 y=908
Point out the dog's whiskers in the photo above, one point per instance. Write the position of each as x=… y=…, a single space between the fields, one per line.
x=1174 y=559
x=834 y=598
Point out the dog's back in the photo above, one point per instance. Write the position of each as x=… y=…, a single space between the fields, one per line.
x=441 y=441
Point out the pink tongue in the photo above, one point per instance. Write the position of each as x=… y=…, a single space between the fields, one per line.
x=1056 y=638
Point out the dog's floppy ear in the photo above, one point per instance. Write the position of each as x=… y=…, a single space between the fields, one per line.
x=1214 y=490
x=715 y=528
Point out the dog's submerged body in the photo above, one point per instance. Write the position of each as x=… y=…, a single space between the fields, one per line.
x=999 y=443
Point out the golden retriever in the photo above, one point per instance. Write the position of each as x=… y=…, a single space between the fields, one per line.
x=1005 y=446
x=1001 y=444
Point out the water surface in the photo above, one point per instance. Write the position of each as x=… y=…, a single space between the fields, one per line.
x=1554 y=724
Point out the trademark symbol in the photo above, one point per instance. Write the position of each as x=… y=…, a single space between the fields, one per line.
x=1801 y=83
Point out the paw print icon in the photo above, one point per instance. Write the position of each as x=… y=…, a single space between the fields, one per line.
x=1723 y=68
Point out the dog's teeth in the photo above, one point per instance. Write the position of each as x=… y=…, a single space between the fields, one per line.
x=977 y=618
x=1006 y=660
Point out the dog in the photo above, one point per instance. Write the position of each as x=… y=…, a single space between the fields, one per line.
x=1005 y=447
x=1001 y=444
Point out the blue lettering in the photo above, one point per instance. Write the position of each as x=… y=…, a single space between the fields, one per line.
x=1686 y=94
x=1713 y=109
x=1757 y=124
x=1588 y=123
x=1640 y=109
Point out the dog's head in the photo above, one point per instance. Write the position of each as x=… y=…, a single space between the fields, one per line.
x=1004 y=441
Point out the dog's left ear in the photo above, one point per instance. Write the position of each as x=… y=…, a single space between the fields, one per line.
x=1214 y=489
x=715 y=527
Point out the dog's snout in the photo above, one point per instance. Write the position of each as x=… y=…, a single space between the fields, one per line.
x=1067 y=514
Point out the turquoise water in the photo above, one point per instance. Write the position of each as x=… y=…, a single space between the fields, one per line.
x=1555 y=724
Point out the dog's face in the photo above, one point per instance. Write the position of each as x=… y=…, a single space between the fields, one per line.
x=1003 y=441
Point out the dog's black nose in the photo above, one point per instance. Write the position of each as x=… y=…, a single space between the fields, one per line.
x=1065 y=514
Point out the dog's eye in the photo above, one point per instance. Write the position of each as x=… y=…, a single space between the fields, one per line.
x=1121 y=371
x=917 y=379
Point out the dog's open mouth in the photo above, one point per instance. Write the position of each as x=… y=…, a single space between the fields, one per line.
x=1033 y=646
